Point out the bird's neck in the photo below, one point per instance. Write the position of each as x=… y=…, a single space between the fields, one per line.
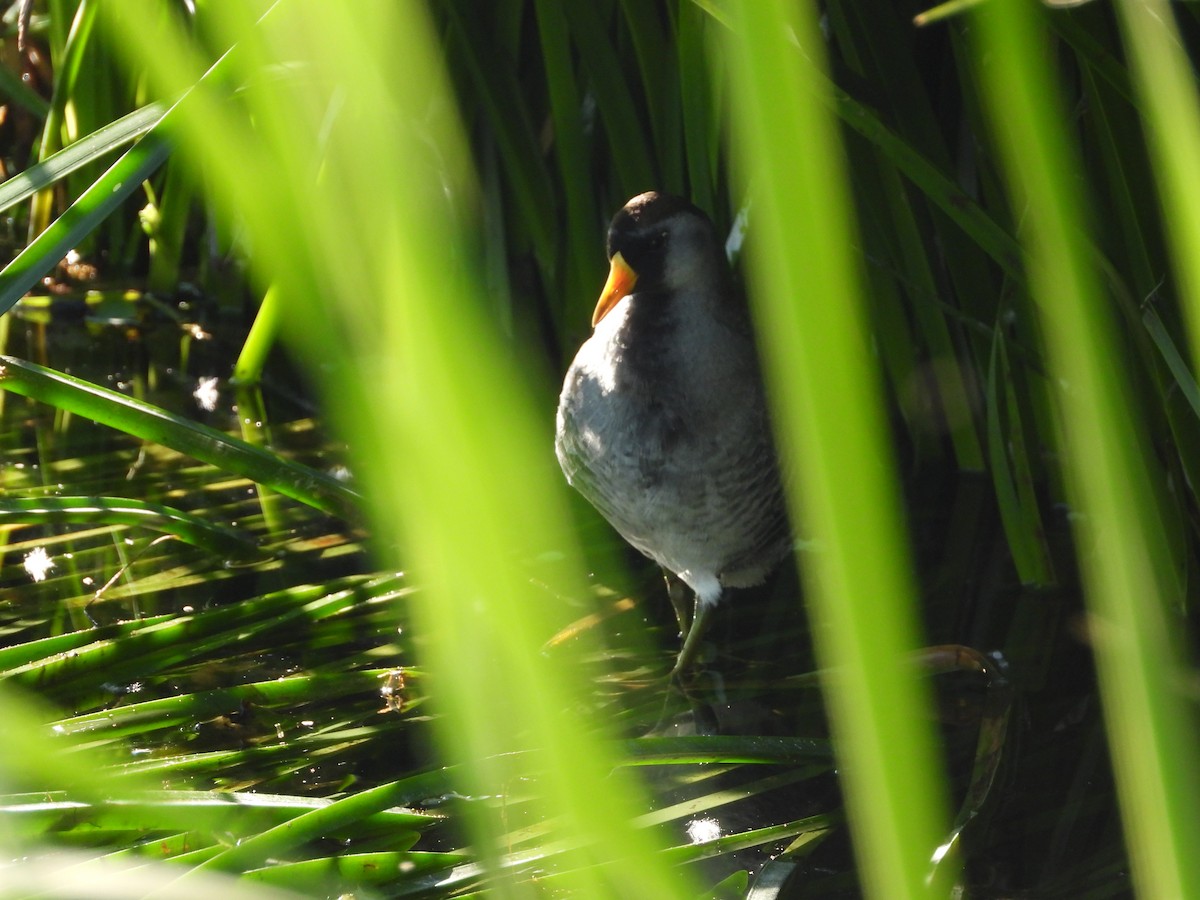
x=694 y=345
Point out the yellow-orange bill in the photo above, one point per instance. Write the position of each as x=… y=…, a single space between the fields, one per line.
x=621 y=279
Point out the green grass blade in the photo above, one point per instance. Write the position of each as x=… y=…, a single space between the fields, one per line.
x=1184 y=379
x=913 y=260
x=659 y=83
x=81 y=217
x=154 y=647
x=1130 y=579
x=826 y=399
x=628 y=150
x=239 y=813
x=96 y=145
x=452 y=451
x=942 y=191
x=501 y=97
x=813 y=825
x=355 y=870
x=77 y=874
x=217 y=539
x=1009 y=465
x=326 y=819
x=20 y=93
x=1166 y=86
x=583 y=264
x=169 y=712
x=699 y=107
x=260 y=341
x=150 y=423
x=31 y=651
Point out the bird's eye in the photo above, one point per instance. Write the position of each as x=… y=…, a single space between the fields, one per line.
x=657 y=241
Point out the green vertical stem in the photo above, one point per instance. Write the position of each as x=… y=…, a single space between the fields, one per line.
x=168 y=230
x=1131 y=581
x=1166 y=88
x=826 y=394
x=68 y=67
x=252 y=420
x=583 y=238
x=250 y=362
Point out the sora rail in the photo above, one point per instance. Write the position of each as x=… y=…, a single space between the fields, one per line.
x=662 y=424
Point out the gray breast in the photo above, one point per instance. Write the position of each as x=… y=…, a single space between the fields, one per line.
x=675 y=452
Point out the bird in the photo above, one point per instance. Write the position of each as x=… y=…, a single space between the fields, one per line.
x=662 y=423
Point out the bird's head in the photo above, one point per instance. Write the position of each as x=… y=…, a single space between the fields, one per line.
x=659 y=243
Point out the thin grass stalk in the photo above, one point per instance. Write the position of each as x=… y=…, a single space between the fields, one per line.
x=89 y=149
x=659 y=82
x=218 y=539
x=240 y=813
x=93 y=204
x=825 y=391
x=260 y=341
x=499 y=95
x=67 y=62
x=1015 y=497
x=582 y=263
x=697 y=107
x=22 y=654
x=82 y=217
x=165 y=222
x=188 y=637
x=631 y=160
x=169 y=712
x=1129 y=576
x=1166 y=86
x=76 y=874
x=354 y=871
x=328 y=819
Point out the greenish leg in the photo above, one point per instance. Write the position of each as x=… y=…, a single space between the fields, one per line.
x=678 y=592
x=691 y=640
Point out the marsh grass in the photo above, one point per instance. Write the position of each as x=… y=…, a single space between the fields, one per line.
x=976 y=321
